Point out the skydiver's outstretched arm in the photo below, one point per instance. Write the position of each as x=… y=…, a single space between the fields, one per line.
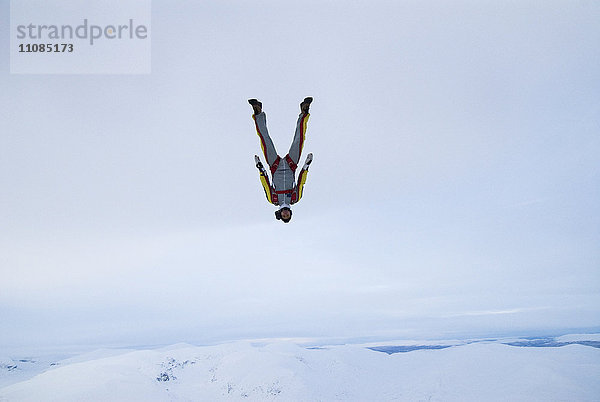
x=302 y=176
x=264 y=178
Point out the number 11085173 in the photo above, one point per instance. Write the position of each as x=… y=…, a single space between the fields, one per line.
x=46 y=48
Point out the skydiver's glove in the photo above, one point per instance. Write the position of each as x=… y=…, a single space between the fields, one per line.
x=308 y=161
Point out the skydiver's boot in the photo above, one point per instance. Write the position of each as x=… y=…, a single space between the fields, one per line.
x=305 y=105
x=256 y=105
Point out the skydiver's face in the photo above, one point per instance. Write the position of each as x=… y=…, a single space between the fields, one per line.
x=285 y=214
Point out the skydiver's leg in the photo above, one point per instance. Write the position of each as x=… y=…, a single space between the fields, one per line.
x=298 y=141
x=265 y=140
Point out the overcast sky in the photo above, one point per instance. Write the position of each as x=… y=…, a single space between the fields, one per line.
x=455 y=188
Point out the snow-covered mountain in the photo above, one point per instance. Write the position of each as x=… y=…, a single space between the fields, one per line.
x=508 y=370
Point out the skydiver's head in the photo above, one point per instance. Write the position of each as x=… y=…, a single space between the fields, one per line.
x=284 y=214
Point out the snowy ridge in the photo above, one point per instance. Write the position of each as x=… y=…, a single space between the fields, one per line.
x=284 y=371
x=579 y=338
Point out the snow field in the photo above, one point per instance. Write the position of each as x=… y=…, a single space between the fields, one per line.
x=284 y=371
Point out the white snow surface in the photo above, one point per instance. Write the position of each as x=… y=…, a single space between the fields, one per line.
x=285 y=371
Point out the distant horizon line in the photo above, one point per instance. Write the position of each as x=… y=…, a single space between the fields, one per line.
x=308 y=341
